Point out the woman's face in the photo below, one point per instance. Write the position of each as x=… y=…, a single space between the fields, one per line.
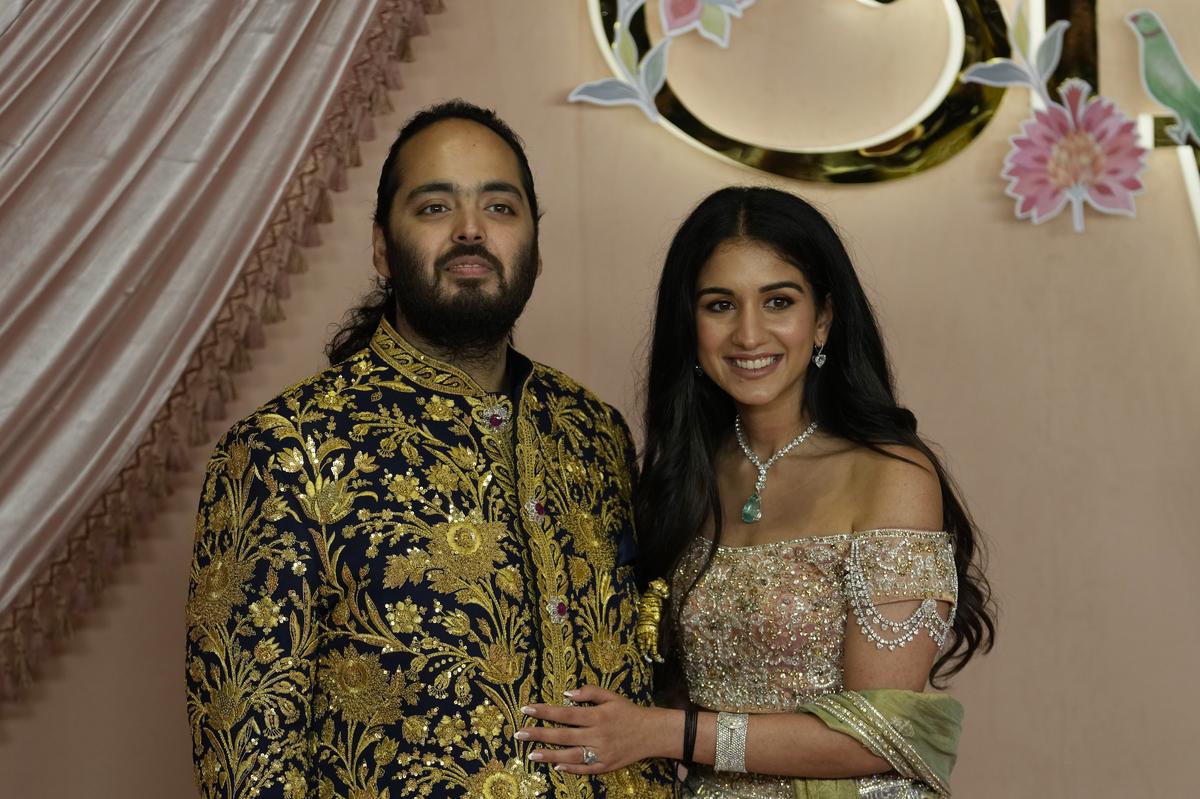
x=756 y=324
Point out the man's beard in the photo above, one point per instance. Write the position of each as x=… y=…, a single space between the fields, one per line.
x=471 y=322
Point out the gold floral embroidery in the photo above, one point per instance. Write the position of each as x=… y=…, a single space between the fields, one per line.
x=438 y=409
x=218 y=588
x=404 y=616
x=463 y=457
x=415 y=729
x=265 y=613
x=368 y=613
x=403 y=487
x=500 y=781
x=402 y=569
x=487 y=721
x=357 y=684
x=332 y=399
x=464 y=552
x=267 y=650
x=443 y=478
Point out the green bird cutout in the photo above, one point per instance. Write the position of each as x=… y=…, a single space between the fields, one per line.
x=1165 y=77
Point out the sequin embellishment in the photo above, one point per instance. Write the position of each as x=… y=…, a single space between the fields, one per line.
x=764 y=628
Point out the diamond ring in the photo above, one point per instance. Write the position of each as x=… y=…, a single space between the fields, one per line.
x=589 y=755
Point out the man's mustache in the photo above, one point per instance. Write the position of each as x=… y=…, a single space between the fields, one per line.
x=469 y=251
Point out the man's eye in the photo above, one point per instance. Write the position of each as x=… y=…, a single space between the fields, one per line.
x=501 y=208
x=433 y=208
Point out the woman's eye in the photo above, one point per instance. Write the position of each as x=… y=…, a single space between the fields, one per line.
x=719 y=306
x=779 y=303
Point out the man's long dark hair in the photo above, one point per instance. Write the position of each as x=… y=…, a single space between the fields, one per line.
x=360 y=322
x=687 y=416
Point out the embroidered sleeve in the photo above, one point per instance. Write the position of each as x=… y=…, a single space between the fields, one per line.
x=626 y=477
x=887 y=566
x=251 y=628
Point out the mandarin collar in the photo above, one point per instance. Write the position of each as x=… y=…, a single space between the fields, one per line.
x=437 y=375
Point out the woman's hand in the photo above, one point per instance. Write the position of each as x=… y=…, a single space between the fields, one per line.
x=615 y=732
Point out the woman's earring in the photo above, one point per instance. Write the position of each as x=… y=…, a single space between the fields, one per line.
x=699 y=371
x=818 y=358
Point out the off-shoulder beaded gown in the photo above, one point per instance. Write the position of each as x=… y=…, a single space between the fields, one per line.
x=764 y=628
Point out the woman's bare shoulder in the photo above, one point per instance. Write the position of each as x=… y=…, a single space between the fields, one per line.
x=897 y=488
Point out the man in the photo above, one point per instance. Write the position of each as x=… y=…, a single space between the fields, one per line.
x=398 y=554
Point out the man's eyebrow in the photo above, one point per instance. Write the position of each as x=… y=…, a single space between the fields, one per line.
x=437 y=187
x=445 y=187
x=500 y=186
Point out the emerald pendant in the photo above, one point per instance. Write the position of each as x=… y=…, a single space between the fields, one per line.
x=752 y=510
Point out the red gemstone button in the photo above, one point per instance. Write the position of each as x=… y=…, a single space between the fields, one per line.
x=557 y=609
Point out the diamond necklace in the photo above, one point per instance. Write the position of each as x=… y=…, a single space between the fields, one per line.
x=752 y=510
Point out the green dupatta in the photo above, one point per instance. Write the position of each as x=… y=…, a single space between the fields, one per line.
x=916 y=732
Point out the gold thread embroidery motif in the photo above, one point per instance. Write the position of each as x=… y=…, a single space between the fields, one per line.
x=373 y=557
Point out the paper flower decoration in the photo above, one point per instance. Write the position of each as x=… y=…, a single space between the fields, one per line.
x=680 y=15
x=640 y=78
x=639 y=82
x=1083 y=151
x=709 y=18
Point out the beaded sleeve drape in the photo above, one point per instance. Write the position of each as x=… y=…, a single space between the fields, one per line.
x=764 y=628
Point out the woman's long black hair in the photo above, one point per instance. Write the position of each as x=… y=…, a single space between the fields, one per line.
x=688 y=417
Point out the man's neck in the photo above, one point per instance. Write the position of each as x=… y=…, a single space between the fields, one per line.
x=487 y=368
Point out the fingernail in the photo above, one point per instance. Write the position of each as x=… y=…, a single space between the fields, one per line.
x=528 y=711
x=521 y=735
x=558 y=766
x=535 y=755
x=570 y=694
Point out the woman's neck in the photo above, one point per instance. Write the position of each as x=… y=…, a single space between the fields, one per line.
x=769 y=428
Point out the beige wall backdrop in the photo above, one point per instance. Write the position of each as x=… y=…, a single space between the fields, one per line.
x=1059 y=372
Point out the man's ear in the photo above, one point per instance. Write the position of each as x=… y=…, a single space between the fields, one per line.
x=379 y=252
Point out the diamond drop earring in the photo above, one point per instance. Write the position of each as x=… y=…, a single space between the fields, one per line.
x=819 y=357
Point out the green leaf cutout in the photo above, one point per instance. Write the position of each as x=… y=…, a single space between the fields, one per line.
x=625 y=49
x=1021 y=31
x=714 y=20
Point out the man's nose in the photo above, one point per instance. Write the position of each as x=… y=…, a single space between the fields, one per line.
x=468 y=229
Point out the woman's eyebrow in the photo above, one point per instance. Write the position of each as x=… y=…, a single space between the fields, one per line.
x=785 y=284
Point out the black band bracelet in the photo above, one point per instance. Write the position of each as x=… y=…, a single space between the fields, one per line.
x=691 y=717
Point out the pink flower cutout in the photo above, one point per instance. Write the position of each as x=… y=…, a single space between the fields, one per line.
x=681 y=14
x=1083 y=151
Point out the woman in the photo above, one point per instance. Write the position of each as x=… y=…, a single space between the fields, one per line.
x=820 y=563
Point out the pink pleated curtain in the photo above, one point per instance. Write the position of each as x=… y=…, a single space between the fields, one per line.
x=161 y=161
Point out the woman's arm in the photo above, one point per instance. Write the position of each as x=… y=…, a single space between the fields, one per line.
x=893 y=494
x=784 y=744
